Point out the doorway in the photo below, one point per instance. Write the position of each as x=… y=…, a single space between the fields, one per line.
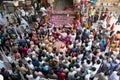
x=63 y=4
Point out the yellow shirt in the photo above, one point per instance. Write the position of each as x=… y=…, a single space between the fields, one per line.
x=86 y=25
x=93 y=12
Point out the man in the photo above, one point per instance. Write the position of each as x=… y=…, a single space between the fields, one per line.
x=5 y=74
x=114 y=76
x=118 y=21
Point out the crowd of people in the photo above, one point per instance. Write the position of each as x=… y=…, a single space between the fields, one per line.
x=38 y=50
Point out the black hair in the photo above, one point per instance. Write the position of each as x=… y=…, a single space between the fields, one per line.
x=88 y=61
x=118 y=73
x=7 y=53
x=77 y=66
x=3 y=69
x=7 y=17
x=93 y=68
x=29 y=61
x=98 y=61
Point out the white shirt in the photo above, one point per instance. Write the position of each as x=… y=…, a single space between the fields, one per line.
x=80 y=57
x=30 y=77
x=52 y=54
x=97 y=66
x=79 y=43
x=87 y=77
x=73 y=37
x=71 y=74
x=114 y=76
x=42 y=9
x=88 y=66
x=38 y=19
x=2 y=64
x=31 y=66
x=24 y=23
x=28 y=58
x=9 y=59
x=64 y=35
x=23 y=12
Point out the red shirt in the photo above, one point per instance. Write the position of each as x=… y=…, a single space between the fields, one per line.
x=61 y=76
x=24 y=50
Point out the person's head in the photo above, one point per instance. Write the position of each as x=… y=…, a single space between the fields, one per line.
x=28 y=72
x=27 y=26
x=17 y=25
x=7 y=17
x=54 y=29
x=20 y=64
x=93 y=7
x=82 y=70
x=7 y=53
x=98 y=61
x=118 y=73
x=93 y=69
x=88 y=61
x=77 y=66
x=29 y=62
x=61 y=53
x=106 y=73
x=3 y=69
